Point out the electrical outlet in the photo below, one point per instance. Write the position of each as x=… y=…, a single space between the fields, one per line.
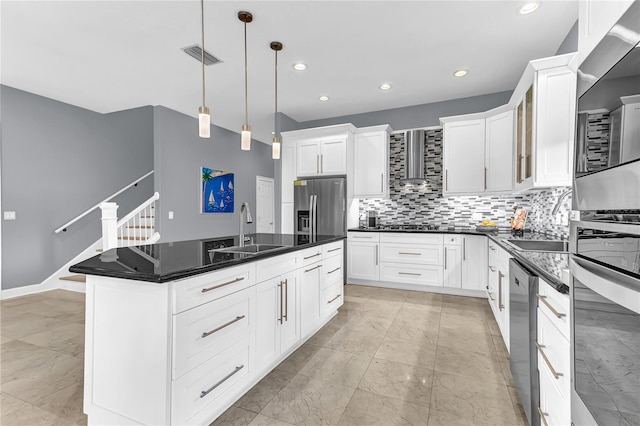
x=9 y=215
x=170 y=215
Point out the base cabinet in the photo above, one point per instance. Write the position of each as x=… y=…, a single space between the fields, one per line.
x=363 y=256
x=498 y=288
x=474 y=262
x=183 y=352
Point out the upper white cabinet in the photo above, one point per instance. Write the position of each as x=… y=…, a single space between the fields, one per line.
x=371 y=162
x=545 y=101
x=596 y=17
x=477 y=151
x=322 y=156
x=463 y=146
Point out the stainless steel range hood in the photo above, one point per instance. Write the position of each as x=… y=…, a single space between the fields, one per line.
x=414 y=157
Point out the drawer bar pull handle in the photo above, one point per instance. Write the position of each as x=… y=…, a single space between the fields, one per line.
x=543 y=299
x=330 y=301
x=546 y=360
x=337 y=269
x=314 y=255
x=204 y=290
x=408 y=252
x=224 y=379
x=409 y=273
x=314 y=268
x=542 y=416
x=227 y=324
x=337 y=248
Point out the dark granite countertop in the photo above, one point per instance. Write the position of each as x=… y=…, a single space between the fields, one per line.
x=548 y=265
x=160 y=263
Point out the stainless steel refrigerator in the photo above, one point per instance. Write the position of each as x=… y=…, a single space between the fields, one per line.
x=320 y=206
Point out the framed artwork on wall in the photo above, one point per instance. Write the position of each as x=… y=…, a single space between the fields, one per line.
x=216 y=191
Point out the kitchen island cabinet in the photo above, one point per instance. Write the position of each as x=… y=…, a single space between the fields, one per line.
x=179 y=339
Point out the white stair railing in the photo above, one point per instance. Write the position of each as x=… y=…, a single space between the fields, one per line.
x=136 y=228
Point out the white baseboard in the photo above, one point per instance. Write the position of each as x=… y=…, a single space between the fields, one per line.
x=23 y=291
x=415 y=287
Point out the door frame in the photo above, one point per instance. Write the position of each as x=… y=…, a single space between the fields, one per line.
x=271 y=181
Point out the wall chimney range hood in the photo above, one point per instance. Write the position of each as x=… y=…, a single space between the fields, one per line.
x=414 y=157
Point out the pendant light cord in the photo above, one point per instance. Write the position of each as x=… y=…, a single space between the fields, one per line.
x=246 y=105
x=275 y=120
x=202 y=16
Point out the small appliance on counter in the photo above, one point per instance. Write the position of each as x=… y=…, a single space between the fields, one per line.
x=372 y=219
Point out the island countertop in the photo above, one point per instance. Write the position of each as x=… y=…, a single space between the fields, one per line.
x=164 y=262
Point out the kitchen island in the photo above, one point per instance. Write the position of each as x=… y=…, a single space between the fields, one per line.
x=177 y=332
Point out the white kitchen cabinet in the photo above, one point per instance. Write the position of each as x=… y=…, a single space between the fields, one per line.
x=545 y=120
x=498 y=288
x=463 y=146
x=277 y=328
x=308 y=157
x=363 y=256
x=322 y=156
x=452 y=265
x=477 y=152
x=474 y=262
x=310 y=287
x=371 y=162
x=498 y=155
x=412 y=259
x=596 y=18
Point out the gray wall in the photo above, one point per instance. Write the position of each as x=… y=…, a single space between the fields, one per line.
x=57 y=161
x=179 y=154
x=425 y=115
x=570 y=42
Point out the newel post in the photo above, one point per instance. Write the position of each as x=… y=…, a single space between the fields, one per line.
x=109 y=225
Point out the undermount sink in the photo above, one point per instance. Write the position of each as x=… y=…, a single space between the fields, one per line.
x=541 y=245
x=249 y=248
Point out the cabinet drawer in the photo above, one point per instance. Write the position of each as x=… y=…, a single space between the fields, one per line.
x=411 y=274
x=214 y=382
x=331 y=271
x=363 y=236
x=331 y=298
x=309 y=256
x=554 y=353
x=453 y=240
x=205 y=331
x=332 y=249
x=407 y=238
x=274 y=266
x=201 y=289
x=411 y=253
x=554 y=406
x=556 y=306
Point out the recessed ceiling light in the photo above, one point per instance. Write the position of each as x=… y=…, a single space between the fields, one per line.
x=529 y=7
x=385 y=86
x=299 y=66
x=460 y=73
x=324 y=98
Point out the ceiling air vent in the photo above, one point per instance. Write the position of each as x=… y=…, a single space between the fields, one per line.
x=195 y=51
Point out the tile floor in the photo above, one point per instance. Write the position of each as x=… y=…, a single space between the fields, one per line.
x=390 y=357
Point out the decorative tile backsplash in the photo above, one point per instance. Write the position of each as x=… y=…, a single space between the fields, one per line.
x=597 y=141
x=424 y=204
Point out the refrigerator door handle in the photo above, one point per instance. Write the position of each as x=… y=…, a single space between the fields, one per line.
x=314 y=217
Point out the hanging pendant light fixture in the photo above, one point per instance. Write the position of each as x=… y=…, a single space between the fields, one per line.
x=204 y=119
x=245 y=145
x=276 y=46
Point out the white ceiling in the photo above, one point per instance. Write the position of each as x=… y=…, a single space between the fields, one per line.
x=114 y=55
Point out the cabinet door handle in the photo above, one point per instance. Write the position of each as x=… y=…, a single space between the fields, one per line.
x=445 y=258
x=464 y=249
x=314 y=255
x=224 y=379
x=542 y=416
x=485 y=178
x=313 y=269
x=376 y=255
x=446 y=180
x=520 y=169
x=408 y=273
x=337 y=269
x=500 y=305
x=337 y=248
x=381 y=182
x=204 y=290
x=543 y=299
x=408 y=252
x=227 y=324
x=332 y=300
x=281 y=304
x=546 y=361
x=317 y=163
x=286 y=300
x=321 y=165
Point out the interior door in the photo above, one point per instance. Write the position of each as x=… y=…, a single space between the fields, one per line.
x=265 y=211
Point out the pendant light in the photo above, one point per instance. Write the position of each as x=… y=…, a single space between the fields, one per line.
x=204 y=119
x=245 y=145
x=276 y=46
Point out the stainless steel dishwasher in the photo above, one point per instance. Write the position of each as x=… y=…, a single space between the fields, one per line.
x=523 y=304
